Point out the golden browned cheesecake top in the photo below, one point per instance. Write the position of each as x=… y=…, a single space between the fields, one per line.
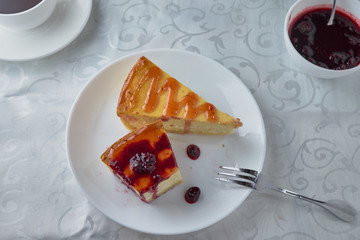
x=150 y=90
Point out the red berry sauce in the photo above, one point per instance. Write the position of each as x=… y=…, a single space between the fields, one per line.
x=192 y=195
x=193 y=151
x=141 y=158
x=333 y=47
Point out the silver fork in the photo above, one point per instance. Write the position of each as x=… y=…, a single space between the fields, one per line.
x=252 y=179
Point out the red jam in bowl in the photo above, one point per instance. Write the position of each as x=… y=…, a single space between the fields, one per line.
x=333 y=47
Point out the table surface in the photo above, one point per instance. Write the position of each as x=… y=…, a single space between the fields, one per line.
x=312 y=125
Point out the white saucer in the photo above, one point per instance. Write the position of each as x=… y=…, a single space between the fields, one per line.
x=93 y=126
x=63 y=26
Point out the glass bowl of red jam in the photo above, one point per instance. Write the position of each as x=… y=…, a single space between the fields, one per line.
x=318 y=49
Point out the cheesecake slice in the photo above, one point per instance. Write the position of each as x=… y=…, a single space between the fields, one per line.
x=150 y=94
x=144 y=161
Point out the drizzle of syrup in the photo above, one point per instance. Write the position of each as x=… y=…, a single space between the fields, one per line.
x=170 y=87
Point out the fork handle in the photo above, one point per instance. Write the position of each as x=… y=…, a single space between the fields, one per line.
x=339 y=208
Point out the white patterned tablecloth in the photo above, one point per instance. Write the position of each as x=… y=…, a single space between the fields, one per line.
x=312 y=125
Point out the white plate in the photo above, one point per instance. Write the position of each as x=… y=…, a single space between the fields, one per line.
x=63 y=26
x=93 y=126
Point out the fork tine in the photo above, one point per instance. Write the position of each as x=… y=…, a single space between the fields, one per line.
x=243 y=170
x=250 y=178
x=237 y=177
x=243 y=183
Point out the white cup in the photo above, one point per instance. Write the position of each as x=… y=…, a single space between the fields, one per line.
x=30 y=18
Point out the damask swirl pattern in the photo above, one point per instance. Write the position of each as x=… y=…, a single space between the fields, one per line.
x=312 y=125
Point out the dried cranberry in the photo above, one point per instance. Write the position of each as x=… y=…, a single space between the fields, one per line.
x=338 y=58
x=305 y=27
x=157 y=178
x=143 y=162
x=193 y=151
x=308 y=51
x=192 y=195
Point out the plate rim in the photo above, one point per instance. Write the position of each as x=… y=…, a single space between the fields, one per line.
x=143 y=52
